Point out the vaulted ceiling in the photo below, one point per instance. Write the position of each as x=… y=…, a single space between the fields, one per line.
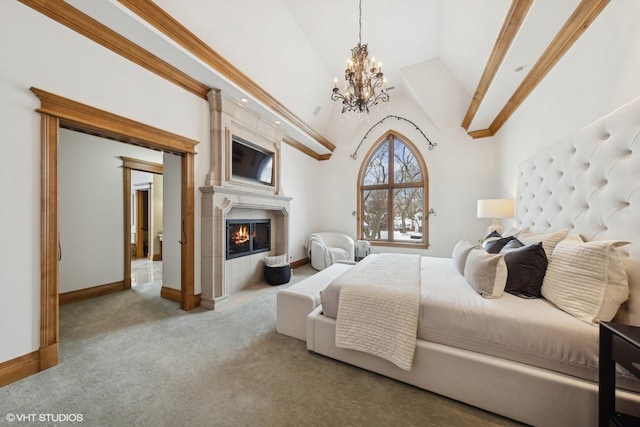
x=283 y=54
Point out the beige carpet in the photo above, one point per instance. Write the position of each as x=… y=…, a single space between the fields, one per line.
x=133 y=358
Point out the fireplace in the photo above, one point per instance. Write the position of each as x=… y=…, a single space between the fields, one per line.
x=229 y=197
x=247 y=237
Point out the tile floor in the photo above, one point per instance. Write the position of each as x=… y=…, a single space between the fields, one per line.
x=145 y=271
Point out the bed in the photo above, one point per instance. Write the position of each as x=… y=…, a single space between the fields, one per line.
x=539 y=365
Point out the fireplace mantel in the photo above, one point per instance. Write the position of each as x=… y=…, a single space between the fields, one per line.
x=217 y=204
x=247 y=199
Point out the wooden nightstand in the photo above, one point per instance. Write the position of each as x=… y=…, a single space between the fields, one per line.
x=618 y=344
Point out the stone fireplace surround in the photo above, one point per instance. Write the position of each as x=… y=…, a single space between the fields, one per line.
x=228 y=197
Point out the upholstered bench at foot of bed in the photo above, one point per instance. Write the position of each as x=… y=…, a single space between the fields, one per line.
x=297 y=301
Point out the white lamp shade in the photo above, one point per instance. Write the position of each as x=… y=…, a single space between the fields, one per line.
x=496 y=208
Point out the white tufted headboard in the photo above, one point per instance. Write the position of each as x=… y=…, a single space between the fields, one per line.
x=590 y=184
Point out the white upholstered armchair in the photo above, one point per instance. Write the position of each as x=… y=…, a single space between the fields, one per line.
x=328 y=247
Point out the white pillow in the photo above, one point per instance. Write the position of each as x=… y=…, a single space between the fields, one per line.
x=276 y=261
x=587 y=280
x=549 y=240
x=460 y=252
x=511 y=231
x=486 y=273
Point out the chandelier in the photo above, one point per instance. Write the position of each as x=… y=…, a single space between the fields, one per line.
x=362 y=78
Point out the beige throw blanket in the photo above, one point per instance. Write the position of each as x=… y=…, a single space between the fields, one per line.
x=379 y=307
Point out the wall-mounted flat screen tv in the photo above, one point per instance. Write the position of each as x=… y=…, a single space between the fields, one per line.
x=251 y=162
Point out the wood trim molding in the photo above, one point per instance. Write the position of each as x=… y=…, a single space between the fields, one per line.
x=67 y=15
x=584 y=14
x=481 y=133
x=141 y=165
x=126 y=216
x=300 y=262
x=171 y=294
x=92 y=292
x=517 y=12
x=187 y=238
x=20 y=367
x=81 y=117
x=176 y=296
x=49 y=356
x=49 y=234
x=303 y=148
x=165 y=23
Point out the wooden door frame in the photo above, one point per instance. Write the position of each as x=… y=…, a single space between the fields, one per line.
x=57 y=112
x=129 y=164
x=139 y=235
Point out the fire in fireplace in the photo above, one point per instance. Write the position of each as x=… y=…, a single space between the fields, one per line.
x=248 y=236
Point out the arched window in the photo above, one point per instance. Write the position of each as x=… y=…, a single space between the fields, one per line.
x=393 y=193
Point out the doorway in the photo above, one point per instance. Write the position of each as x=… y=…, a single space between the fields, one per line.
x=58 y=112
x=142 y=221
x=91 y=223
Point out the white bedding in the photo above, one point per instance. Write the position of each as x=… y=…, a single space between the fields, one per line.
x=529 y=331
x=379 y=305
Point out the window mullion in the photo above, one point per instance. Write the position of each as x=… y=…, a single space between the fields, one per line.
x=390 y=211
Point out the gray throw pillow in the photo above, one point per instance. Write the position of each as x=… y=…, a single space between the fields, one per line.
x=460 y=253
x=486 y=273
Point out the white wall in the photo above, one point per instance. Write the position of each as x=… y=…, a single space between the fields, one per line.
x=460 y=172
x=49 y=56
x=434 y=88
x=597 y=75
x=91 y=208
x=301 y=180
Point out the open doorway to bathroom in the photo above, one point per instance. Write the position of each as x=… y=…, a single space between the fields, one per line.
x=144 y=207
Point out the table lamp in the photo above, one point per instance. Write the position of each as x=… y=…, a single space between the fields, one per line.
x=495 y=209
